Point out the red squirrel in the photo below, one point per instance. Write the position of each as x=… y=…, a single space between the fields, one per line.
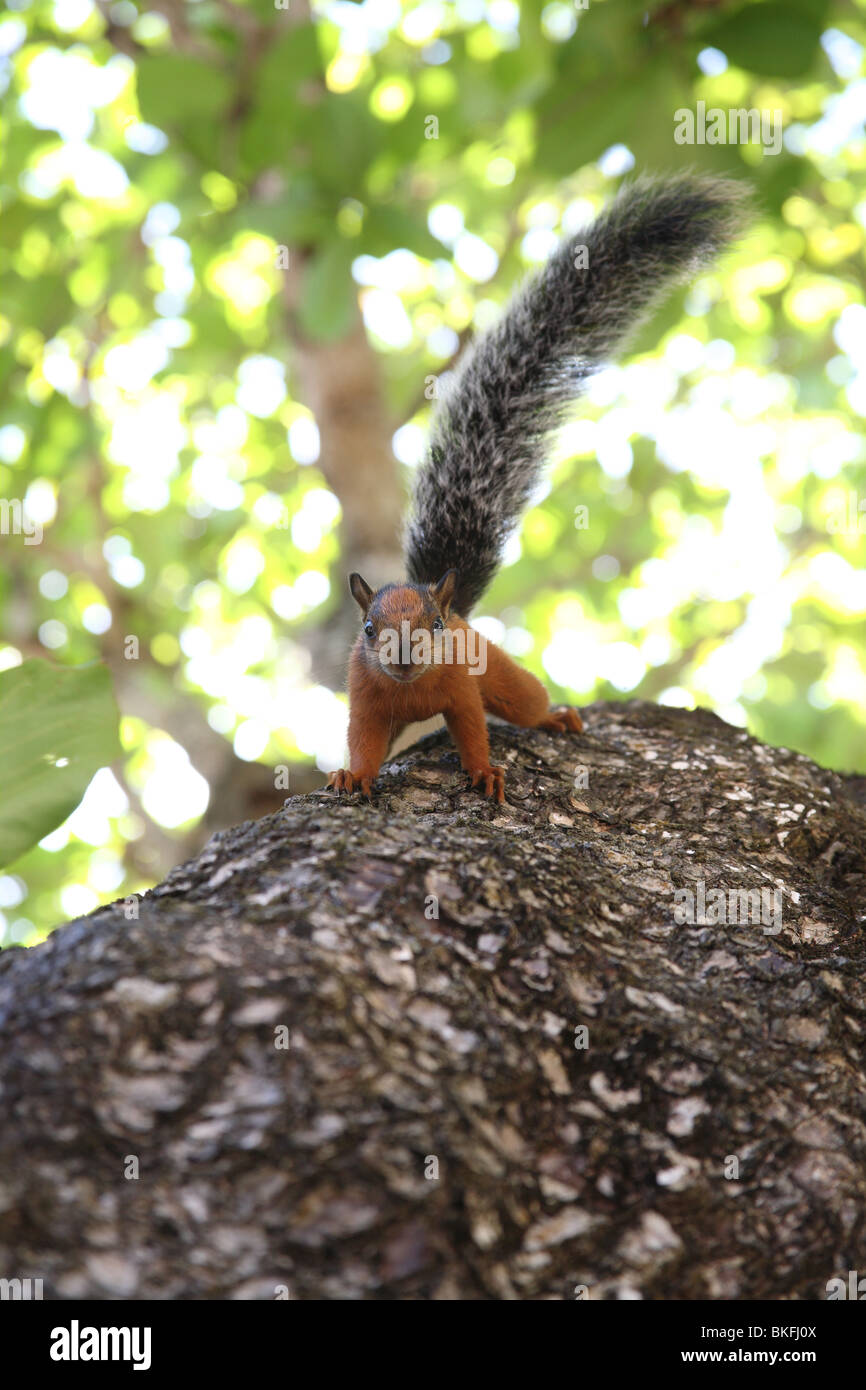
x=416 y=655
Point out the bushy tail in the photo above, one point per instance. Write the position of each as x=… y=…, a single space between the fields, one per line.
x=512 y=387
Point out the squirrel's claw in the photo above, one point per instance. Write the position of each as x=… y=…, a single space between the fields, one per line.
x=562 y=719
x=345 y=781
x=341 y=780
x=491 y=781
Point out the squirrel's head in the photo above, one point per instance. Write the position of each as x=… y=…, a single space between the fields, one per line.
x=402 y=624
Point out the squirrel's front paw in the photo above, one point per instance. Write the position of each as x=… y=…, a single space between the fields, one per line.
x=491 y=780
x=562 y=719
x=345 y=781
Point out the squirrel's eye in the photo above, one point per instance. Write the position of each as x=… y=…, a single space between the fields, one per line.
x=438 y=625
x=369 y=629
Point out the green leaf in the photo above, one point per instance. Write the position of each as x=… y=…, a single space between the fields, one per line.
x=386 y=227
x=577 y=128
x=287 y=101
x=772 y=39
x=328 y=295
x=58 y=726
x=173 y=89
x=344 y=140
x=288 y=62
x=300 y=216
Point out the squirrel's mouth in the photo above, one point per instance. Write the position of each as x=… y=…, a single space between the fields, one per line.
x=404 y=677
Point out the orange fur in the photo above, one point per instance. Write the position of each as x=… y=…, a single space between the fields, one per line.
x=380 y=707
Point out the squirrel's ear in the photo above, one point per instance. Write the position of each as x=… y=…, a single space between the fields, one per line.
x=361 y=592
x=443 y=590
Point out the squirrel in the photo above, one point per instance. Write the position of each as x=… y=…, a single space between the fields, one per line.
x=486 y=455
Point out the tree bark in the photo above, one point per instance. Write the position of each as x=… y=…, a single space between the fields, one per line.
x=436 y=1127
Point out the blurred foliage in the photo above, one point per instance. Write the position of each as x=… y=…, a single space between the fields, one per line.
x=703 y=538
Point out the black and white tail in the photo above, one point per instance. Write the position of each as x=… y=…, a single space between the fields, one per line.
x=512 y=387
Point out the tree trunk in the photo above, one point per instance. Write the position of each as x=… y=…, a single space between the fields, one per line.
x=289 y=1071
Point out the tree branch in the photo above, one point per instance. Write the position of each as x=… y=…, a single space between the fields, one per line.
x=439 y=1124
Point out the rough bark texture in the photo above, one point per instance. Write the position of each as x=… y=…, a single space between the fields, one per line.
x=414 y=1039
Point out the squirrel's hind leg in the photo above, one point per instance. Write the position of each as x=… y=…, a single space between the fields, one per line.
x=562 y=719
x=511 y=693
